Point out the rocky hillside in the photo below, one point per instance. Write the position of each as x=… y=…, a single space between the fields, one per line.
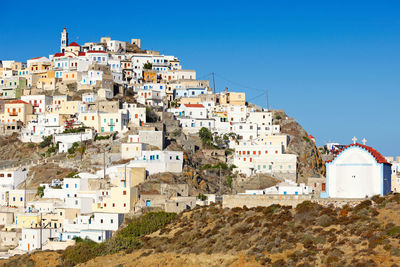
x=307 y=235
x=309 y=161
x=13 y=151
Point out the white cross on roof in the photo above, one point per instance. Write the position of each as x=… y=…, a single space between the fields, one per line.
x=354 y=140
x=364 y=141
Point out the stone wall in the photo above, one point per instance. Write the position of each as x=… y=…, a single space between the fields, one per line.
x=250 y=201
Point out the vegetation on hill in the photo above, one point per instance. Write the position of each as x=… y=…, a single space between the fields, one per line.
x=126 y=238
x=307 y=235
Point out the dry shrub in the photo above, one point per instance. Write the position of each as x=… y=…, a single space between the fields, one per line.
x=365 y=204
x=308 y=206
x=326 y=220
x=378 y=199
x=279 y=263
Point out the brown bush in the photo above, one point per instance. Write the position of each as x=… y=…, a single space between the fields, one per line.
x=343 y=212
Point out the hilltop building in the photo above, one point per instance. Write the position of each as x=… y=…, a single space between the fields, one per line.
x=357 y=171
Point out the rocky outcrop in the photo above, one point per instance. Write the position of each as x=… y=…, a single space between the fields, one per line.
x=309 y=161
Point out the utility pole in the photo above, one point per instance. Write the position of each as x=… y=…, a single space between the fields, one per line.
x=104 y=163
x=25 y=192
x=41 y=231
x=213 y=82
x=219 y=181
x=81 y=147
x=125 y=176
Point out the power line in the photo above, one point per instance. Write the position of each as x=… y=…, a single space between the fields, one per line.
x=239 y=84
x=258 y=96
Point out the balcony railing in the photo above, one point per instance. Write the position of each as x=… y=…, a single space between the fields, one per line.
x=13 y=114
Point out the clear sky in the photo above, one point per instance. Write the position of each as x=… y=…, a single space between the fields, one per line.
x=333 y=65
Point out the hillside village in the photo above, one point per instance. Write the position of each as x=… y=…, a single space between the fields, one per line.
x=105 y=131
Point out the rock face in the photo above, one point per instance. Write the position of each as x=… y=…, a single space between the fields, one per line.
x=309 y=161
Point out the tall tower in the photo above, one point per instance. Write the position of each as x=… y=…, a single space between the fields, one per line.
x=64 y=40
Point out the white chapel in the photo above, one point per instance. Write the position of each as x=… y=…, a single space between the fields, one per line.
x=357 y=171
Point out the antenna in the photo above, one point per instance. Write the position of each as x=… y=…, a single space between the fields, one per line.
x=266 y=92
x=213 y=82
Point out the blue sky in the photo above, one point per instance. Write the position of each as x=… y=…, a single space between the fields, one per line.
x=333 y=65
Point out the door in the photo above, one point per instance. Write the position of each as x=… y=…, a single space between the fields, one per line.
x=148 y=203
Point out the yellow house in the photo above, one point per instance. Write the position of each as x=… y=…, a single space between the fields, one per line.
x=27 y=220
x=70 y=107
x=150 y=76
x=231 y=98
x=122 y=197
x=47 y=81
x=39 y=67
x=190 y=100
x=16 y=110
x=396 y=183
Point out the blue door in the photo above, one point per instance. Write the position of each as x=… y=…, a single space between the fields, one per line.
x=148 y=203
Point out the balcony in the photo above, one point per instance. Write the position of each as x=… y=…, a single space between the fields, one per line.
x=13 y=114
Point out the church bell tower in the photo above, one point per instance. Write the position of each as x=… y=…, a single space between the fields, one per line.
x=64 y=40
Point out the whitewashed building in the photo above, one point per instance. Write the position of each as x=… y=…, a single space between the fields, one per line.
x=357 y=171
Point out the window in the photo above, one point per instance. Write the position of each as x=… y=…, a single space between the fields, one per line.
x=124 y=193
x=101 y=221
x=9 y=175
x=112 y=221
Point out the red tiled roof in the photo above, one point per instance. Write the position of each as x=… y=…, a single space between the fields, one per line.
x=73 y=44
x=81 y=54
x=34 y=58
x=17 y=102
x=93 y=51
x=58 y=54
x=194 y=106
x=311 y=137
x=378 y=157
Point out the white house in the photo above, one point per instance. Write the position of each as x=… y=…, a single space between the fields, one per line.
x=284 y=188
x=194 y=111
x=193 y=126
x=137 y=115
x=157 y=161
x=12 y=178
x=39 y=102
x=255 y=157
x=357 y=171
x=32 y=238
x=66 y=140
x=94 y=235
